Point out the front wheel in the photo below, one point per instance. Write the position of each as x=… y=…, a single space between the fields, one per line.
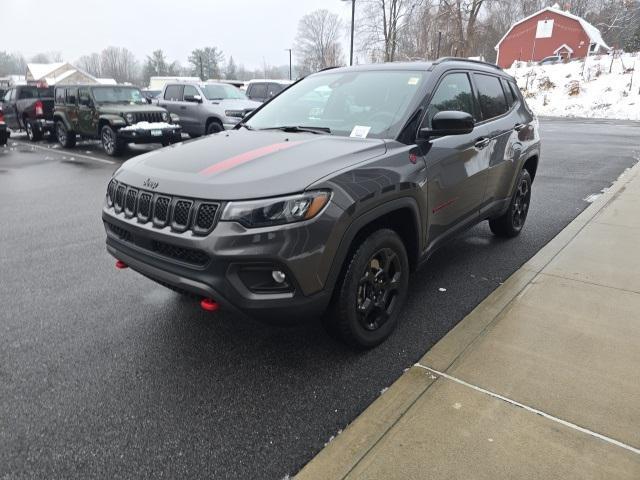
x=510 y=224
x=214 y=127
x=65 y=138
x=372 y=292
x=111 y=145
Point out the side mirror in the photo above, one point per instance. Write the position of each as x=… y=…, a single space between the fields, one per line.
x=448 y=122
x=193 y=98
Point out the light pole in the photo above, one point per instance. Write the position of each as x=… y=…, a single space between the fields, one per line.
x=353 y=19
x=289 y=50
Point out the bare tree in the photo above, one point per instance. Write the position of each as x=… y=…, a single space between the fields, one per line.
x=119 y=63
x=318 y=41
x=91 y=64
x=205 y=62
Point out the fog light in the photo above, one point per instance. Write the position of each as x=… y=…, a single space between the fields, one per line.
x=278 y=276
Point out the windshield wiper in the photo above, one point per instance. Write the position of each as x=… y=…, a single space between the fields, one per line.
x=297 y=129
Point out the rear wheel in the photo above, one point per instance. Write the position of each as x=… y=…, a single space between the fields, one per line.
x=110 y=143
x=33 y=131
x=372 y=292
x=510 y=224
x=214 y=127
x=66 y=138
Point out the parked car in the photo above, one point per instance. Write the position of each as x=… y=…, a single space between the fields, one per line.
x=206 y=108
x=550 y=60
x=151 y=94
x=263 y=90
x=115 y=114
x=4 y=133
x=303 y=208
x=29 y=108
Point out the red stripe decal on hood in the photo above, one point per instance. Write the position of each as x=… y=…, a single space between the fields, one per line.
x=246 y=157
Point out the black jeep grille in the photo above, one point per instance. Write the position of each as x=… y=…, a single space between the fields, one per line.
x=150 y=117
x=181 y=214
x=144 y=207
x=206 y=216
x=121 y=233
x=161 y=211
x=119 y=198
x=130 y=202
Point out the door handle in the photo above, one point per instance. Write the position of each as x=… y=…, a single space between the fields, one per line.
x=482 y=142
x=518 y=126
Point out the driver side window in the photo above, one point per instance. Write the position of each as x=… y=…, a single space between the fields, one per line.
x=453 y=93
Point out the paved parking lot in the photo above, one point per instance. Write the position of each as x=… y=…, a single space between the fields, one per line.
x=105 y=374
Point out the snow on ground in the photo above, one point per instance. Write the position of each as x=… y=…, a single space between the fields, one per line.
x=583 y=88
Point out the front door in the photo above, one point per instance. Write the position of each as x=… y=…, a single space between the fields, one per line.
x=191 y=112
x=71 y=104
x=87 y=124
x=455 y=163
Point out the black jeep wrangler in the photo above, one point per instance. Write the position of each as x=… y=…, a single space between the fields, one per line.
x=114 y=114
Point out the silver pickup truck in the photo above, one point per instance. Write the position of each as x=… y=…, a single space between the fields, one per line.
x=206 y=107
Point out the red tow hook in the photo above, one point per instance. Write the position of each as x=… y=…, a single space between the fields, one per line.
x=209 y=304
x=120 y=265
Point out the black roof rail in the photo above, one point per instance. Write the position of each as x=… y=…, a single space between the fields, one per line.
x=461 y=59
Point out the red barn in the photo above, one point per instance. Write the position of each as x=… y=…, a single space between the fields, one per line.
x=550 y=31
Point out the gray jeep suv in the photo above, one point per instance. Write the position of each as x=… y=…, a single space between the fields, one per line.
x=325 y=198
x=206 y=108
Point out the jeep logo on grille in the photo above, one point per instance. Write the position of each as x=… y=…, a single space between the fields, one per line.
x=148 y=183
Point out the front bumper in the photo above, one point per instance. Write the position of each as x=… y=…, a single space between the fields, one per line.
x=230 y=250
x=163 y=135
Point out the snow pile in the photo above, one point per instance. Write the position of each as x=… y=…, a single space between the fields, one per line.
x=149 y=126
x=583 y=88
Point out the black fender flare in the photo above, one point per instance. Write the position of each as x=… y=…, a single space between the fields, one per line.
x=364 y=219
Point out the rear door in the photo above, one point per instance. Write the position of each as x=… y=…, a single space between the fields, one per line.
x=71 y=105
x=455 y=184
x=497 y=129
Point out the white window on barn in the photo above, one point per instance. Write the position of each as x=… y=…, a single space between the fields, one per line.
x=545 y=29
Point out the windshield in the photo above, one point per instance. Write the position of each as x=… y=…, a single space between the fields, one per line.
x=222 y=92
x=362 y=104
x=118 y=95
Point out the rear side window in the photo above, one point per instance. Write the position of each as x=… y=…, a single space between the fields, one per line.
x=453 y=93
x=509 y=94
x=173 y=92
x=72 y=95
x=258 y=90
x=515 y=91
x=60 y=93
x=492 y=100
x=7 y=95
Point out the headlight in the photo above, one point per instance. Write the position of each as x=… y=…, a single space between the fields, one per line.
x=165 y=117
x=129 y=118
x=234 y=113
x=276 y=211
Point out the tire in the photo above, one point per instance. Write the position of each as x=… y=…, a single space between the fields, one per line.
x=33 y=132
x=3 y=137
x=511 y=223
x=214 y=127
x=110 y=143
x=66 y=138
x=368 y=298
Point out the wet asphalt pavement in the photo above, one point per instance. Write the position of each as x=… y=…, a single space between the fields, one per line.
x=104 y=374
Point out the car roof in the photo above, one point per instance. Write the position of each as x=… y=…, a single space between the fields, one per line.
x=425 y=66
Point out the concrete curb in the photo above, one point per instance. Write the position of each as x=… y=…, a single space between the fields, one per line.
x=341 y=456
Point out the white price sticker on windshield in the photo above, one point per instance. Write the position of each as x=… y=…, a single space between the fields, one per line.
x=413 y=80
x=360 y=131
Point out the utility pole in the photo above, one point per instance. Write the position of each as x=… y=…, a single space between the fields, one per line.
x=353 y=20
x=289 y=50
x=439 y=40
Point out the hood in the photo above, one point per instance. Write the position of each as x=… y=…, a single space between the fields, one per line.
x=243 y=164
x=236 y=103
x=118 y=108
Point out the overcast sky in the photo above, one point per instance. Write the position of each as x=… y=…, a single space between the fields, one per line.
x=248 y=30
